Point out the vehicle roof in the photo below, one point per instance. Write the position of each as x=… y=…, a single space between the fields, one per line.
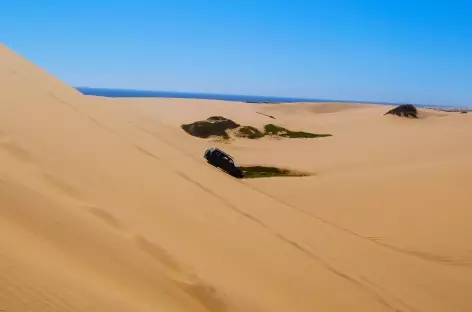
x=217 y=149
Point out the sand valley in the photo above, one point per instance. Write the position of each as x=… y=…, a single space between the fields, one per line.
x=106 y=204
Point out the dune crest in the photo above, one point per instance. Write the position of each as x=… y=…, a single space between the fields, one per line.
x=107 y=205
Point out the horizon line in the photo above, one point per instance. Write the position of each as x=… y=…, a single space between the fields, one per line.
x=299 y=99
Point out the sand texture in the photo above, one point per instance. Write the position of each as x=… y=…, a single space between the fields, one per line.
x=108 y=205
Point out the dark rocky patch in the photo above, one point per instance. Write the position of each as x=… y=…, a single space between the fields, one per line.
x=406 y=110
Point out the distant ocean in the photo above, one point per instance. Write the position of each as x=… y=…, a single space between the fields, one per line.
x=189 y=95
x=120 y=93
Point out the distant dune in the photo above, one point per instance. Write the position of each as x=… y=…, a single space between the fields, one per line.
x=107 y=205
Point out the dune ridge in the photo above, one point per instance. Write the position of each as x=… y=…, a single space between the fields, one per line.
x=107 y=205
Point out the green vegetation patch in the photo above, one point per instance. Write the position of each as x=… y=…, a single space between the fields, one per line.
x=249 y=132
x=214 y=126
x=272 y=129
x=251 y=172
x=218 y=126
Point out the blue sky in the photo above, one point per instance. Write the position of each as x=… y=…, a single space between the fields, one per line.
x=399 y=51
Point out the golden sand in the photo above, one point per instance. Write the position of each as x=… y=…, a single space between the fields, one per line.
x=107 y=205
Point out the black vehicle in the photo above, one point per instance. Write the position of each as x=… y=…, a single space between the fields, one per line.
x=220 y=159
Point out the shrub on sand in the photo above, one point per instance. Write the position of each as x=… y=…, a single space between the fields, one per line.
x=272 y=129
x=213 y=126
x=406 y=110
x=249 y=132
x=266 y=172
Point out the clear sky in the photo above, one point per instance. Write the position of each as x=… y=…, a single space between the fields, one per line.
x=400 y=51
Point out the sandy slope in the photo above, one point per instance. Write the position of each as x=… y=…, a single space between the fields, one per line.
x=107 y=205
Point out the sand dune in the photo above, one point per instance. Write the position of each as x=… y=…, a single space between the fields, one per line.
x=107 y=205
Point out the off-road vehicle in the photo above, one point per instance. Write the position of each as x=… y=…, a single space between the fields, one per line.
x=218 y=158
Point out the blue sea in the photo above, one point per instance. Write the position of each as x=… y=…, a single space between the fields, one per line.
x=189 y=95
x=120 y=93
